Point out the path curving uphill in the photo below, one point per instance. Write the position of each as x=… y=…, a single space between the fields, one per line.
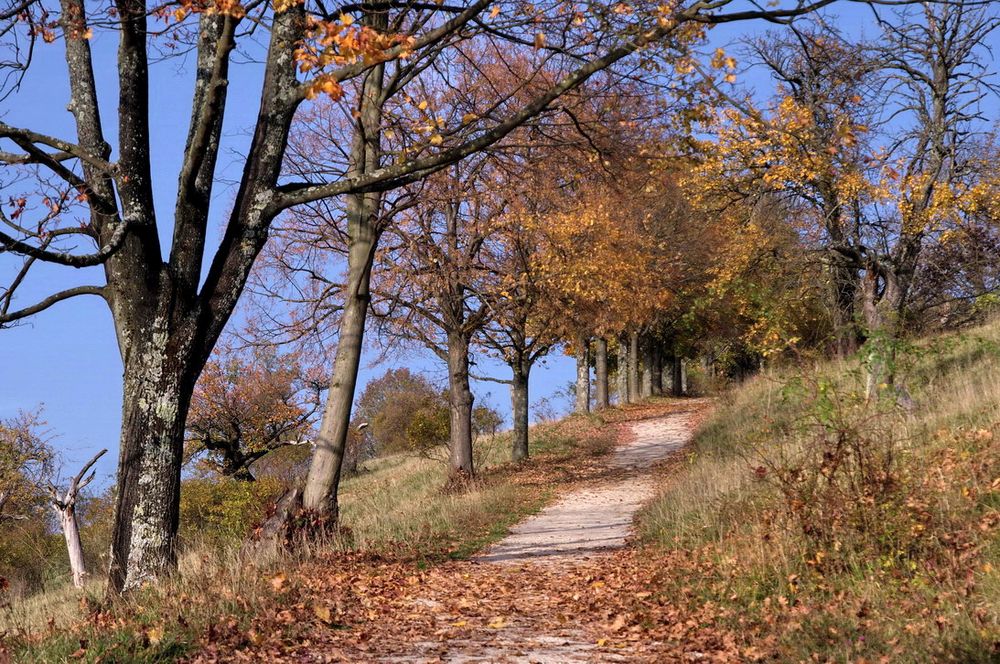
x=598 y=518
x=523 y=578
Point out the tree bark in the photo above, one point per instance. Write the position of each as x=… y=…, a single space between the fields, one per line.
x=633 y=367
x=646 y=353
x=601 y=372
x=519 y=411
x=657 y=369
x=677 y=376
x=460 y=400
x=885 y=292
x=582 y=375
x=323 y=480
x=158 y=384
x=623 y=395
x=844 y=281
x=71 y=531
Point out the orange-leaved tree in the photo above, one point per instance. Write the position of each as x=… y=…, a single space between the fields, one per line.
x=250 y=402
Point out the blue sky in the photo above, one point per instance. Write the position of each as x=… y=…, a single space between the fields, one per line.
x=66 y=358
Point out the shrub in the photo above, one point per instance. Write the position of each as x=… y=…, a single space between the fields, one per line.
x=222 y=510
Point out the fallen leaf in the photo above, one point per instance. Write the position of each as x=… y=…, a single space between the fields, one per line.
x=322 y=612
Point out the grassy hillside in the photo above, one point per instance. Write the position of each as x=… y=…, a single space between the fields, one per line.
x=396 y=510
x=833 y=527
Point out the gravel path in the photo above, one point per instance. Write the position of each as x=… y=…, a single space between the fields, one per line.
x=597 y=518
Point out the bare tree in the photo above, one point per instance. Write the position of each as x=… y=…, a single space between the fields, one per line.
x=65 y=508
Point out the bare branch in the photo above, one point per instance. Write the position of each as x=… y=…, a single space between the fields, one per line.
x=49 y=301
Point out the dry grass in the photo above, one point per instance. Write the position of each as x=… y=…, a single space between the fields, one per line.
x=922 y=585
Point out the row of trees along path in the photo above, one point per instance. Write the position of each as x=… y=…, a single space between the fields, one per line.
x=443 y=110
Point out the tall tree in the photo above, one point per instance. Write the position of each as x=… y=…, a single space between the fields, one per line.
x=429 y=283
x=936 y=59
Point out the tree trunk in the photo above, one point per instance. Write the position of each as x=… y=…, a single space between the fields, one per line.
x=519 y=411
x=460 y=402
x=646 y=353
x=844 y=281
x=601 y=372
x=323 y=480
x=623 y=395
x=155 y=404
x=677 y=376
x=236 y=466
x=657 y=369
x=582 y=375
x=633 y=367
x=71 y=531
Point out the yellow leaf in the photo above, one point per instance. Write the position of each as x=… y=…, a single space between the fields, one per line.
x=436 y=139
x=460 y=623
x=539 y=40
x=469 y=117
x=322 y=612
x=154 y=634
x=278 y=581
x=497 y=623
x=422 y=105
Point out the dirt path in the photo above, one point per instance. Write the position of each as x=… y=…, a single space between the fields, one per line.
x=597 y=518
x=562 y=587
x=522 y=581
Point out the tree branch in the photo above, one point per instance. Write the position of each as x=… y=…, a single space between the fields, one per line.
x=49 y=301
x=61 y=258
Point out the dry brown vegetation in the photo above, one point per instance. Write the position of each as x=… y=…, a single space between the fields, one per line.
x=396 y=513
x=827 y=525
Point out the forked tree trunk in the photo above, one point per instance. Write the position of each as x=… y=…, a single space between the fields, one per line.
x=601 y=372
x=65 y=507
x=519 y=412
x=71 y=531
x=623 y=395
x=236 y=466
x=633 y=367
x=582 y=376
x=460 y=401
x=885 y=292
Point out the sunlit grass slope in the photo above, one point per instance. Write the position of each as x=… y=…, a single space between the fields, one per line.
x=833 y=527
